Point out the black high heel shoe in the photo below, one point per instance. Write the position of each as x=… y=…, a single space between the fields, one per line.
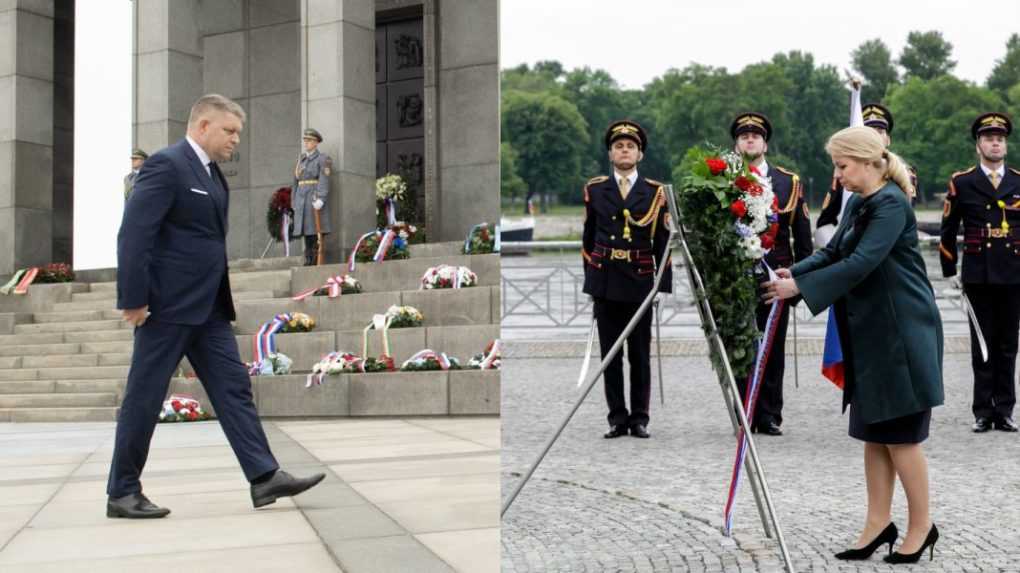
x=888 y=535
x=933 y=536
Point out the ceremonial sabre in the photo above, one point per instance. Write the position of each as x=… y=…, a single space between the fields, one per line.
x=319 y=254
x=796 y=371
x=658 y=352
x=587 y=354
x=977 y=326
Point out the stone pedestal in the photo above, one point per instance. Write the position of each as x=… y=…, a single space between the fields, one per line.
x=26 y=134
x=338 y=99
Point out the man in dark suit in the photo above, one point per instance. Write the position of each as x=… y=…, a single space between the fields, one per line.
x=623 y=244
x=751 y=133
x=173 y=286
x=986 y=199
x=879 y=118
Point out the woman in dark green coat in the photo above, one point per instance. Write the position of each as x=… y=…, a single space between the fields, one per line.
x=873 y=275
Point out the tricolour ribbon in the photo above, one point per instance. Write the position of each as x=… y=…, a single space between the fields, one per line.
x=751 y=398
x=26 y=280
x=265 y=340
x=354 y=251
x=7 y=288
x=384 y=245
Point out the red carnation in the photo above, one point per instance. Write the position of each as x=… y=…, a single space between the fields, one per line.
x=767 y=241
x=715 y=165
x=755 y=190
x=743 y=183
x=192 y=415
x=176 y=404
x=738 y=208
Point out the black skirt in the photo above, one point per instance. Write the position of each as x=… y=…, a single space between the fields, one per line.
x=909 y=429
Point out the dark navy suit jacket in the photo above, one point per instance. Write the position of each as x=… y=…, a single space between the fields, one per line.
x=171 y=248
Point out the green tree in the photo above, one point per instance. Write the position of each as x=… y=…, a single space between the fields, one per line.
x=510 y=183
x=550 y=138
x=873 y=61
x=1006 y=72
x=933 y=120
x=926 y=55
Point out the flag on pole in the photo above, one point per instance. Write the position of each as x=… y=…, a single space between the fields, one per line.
x=832 y=355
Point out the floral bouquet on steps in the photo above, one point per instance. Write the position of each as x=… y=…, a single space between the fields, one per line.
x=182 y=408
x=731 y=215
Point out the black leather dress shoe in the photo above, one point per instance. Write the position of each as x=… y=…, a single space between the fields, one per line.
x=1006 y=424
x=282 y=484
x=639 y=431
x=769 y=429
x=616 y=432
x=982 y=425
x=134 y=506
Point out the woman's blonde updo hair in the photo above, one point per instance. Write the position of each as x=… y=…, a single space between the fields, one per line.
x=863 y=144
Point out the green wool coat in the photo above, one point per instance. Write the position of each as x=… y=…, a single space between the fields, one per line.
x=873 y=266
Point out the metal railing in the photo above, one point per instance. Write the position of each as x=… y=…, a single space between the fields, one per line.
x=542 y=285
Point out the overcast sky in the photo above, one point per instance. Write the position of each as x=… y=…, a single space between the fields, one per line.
x=638 y=40
x=102 y=128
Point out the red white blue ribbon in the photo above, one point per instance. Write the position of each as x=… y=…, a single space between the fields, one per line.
x=354 y=251
x=384 y=245
x=265 y=339
x=751 y=399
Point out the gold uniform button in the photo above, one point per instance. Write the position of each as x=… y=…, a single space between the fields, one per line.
x=989 y=245
x=614 y=217
x=987 y=207
x=612 y=237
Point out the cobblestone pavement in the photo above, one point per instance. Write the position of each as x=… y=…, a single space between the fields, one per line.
x=656 y=505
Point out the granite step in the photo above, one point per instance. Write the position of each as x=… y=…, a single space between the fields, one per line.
x=109 y=303
x=40 y=349
x=74 y=400
x=27 y=415
x=87 y=327
x=112 y=386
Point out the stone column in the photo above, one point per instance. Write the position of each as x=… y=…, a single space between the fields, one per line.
x=338 y=99
x=26 y=134
x=63 y=132
x=468 y=116
x=168 y=70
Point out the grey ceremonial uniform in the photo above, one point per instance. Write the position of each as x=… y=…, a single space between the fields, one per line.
x=129 y=183
x=311 y=182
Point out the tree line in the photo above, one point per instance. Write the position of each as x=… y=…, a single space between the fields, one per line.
x=553 y=119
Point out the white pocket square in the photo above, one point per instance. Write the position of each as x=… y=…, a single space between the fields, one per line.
x=199 y=191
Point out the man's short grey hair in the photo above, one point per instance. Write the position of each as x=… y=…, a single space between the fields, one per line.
x=217 y=102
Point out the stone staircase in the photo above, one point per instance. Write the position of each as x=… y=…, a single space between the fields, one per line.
x=65 y=352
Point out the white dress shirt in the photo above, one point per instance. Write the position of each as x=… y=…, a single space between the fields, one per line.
x=202 y=155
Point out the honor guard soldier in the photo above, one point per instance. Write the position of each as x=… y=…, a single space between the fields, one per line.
x=879 y=118
x=138 y=157
x=624 y=239
x=986 y=199
x=751 y=133
x=311 y=188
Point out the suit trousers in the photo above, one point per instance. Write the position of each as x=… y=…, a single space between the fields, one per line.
x=612 y=317
x=212 y=349
x=997 y=308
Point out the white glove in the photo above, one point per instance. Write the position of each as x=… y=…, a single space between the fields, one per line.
x=318 y=204
x=956 y=282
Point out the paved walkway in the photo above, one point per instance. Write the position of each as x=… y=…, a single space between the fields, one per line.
x=412 y=494
x=630 y=505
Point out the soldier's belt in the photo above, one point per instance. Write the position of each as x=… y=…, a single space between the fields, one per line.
x=992 y=232
x=622 y=254
x=308 y=182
